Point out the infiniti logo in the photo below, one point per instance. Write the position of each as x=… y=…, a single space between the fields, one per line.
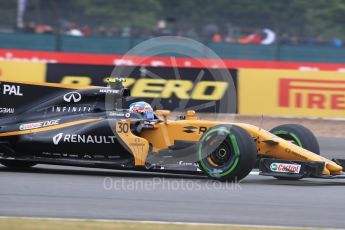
x=72 y=96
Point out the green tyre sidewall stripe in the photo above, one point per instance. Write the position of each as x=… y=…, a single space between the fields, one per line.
x=282 y=132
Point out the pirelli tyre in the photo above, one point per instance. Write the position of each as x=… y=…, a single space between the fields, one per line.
x=13 y=164
x=299 y=135
x=226 y=153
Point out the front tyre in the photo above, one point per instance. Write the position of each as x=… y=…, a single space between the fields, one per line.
x=226 y=153
x=300 y=136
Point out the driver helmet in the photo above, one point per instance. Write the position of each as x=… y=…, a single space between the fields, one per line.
x=143 y=108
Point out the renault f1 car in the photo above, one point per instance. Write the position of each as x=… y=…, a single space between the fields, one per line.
x=89 y=126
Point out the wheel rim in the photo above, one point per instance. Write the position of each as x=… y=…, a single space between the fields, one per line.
x=222 y=155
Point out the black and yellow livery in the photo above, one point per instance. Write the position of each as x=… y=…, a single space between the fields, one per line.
x=90 y=127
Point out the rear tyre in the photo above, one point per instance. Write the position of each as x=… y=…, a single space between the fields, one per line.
x=300 y=136
x=12 y=164
x=226 y=153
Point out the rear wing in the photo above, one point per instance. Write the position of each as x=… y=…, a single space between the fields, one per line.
x=19 y=97
x=16 y=96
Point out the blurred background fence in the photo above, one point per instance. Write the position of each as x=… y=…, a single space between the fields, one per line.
x=120 y=45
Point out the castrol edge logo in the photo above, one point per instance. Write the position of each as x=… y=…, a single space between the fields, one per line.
x=41 y=124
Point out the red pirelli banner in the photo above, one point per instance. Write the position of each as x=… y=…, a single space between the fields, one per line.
x=110 y=59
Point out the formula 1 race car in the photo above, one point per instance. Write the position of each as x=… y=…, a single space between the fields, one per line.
x=90 y=126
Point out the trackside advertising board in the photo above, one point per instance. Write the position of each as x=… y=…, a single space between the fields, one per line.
x=22 y=71
x=173 y=88
x=179 y=89
x=263 y=87
x=292 y=93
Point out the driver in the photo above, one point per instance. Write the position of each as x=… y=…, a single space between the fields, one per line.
x=143 y=108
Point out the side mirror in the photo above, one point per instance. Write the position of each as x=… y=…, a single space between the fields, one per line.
x=164 y=113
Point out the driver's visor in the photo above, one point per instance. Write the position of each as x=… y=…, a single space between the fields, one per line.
x=149 y=115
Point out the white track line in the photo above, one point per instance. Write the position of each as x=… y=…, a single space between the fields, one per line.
x=164 y=222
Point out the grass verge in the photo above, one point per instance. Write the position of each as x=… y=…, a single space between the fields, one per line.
x=18 y=223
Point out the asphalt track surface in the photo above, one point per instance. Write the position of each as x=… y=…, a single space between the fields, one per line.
x=69 y=192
